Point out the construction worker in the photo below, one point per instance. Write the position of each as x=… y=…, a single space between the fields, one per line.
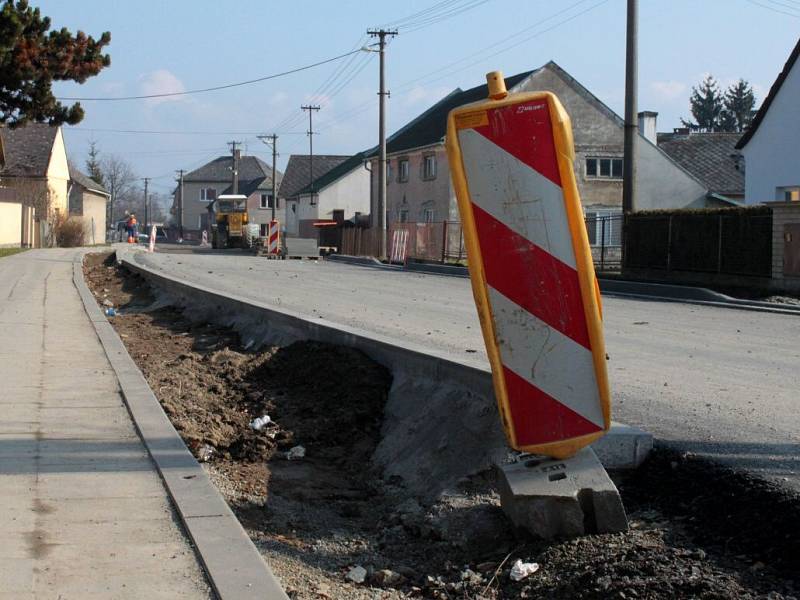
x=131 y=227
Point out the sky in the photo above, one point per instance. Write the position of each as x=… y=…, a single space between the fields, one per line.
x=160 y=46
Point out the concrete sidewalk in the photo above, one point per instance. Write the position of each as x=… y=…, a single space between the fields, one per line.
x=83 y=512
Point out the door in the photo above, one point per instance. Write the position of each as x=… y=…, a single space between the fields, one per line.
x=791 y=249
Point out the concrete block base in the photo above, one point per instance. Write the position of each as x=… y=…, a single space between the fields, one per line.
x=561 y=498
x=623 y=447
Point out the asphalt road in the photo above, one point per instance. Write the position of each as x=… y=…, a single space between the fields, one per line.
x=716 y=381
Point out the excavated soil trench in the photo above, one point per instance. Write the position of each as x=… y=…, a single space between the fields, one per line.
x=697 y=531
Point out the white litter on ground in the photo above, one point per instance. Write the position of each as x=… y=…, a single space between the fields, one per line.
x=357 y=574
x=520 y=570
x=259 y=423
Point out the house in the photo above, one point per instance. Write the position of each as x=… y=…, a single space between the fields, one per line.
x=88 y=201
x=36 y=169
x=203 y=185
x=712 y=158
x=298 y=176
x=420 y=189
x=770 y=145
x=339 y=194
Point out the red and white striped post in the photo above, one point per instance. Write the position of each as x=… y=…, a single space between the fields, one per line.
x=273 y=237
x=511 y=158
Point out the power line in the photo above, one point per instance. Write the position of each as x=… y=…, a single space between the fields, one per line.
x=447 y=71
x=773 y=9
x=172 y=132
x=218 y=87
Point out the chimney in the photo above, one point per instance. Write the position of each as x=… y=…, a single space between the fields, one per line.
x=647 y=125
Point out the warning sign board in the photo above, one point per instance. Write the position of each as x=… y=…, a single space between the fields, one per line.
x=511 y=160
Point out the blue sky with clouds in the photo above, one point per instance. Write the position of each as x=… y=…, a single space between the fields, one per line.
x=187 y=44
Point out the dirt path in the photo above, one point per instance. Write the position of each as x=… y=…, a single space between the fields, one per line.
x=317 y=517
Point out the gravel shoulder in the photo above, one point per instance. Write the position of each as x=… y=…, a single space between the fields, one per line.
x=318 y=517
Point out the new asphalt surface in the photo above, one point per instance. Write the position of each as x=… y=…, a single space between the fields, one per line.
x=710 y=380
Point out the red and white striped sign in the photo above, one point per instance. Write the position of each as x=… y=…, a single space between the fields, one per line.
x=399 y=245
x=540 y=313
x=152 y=246
x=273 y=237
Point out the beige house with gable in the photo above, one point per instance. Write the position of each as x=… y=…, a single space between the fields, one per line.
x=37 y=171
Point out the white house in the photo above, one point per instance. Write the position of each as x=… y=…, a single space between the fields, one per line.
x=770 y=146
x=339 y=194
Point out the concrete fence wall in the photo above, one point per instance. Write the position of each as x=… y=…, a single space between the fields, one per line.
x=10 y=225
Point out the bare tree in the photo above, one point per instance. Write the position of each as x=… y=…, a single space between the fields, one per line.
x=121 y=180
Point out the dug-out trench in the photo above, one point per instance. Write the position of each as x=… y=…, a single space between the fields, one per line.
x=697 y=531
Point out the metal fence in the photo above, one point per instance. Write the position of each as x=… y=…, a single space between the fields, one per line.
x=605 y=240
x=443 y=242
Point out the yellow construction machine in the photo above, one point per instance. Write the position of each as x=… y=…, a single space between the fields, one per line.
x=230 y=228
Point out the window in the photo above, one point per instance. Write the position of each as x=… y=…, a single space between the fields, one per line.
x=429 y=215
x=604 y=168
x=402 y=215
x=788 y=194
x=208 y=194
x=604 y=226
x=262 y=229
x=266 y=201
x=402 y=167
x=429 y=166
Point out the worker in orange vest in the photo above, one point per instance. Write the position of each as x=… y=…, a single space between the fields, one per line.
x=131 y=227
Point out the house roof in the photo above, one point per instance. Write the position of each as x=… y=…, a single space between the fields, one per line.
x=336 y=173
x=430 y=127
x=297 y=171
x=85 y=181
x=219 y=170
x=773 y=91
x=711 y=158
x=248 y=187
x=28 y=149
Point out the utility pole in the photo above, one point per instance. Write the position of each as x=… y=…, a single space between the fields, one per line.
x=146 y=213
x=310 y=108
x=180 y=204
x=235 y=168
x=274 y=144
x=382 y=93
x=631 y=115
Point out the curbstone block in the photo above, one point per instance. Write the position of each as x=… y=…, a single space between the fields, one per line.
x=554 y=498
x=623 y=447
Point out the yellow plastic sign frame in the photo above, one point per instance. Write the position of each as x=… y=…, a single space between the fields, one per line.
x=476 y=114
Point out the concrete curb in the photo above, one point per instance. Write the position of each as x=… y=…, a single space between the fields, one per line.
x=362 y=261
x=232 y=563
x=451 y=270
x=420 y=375
x=615 y=288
